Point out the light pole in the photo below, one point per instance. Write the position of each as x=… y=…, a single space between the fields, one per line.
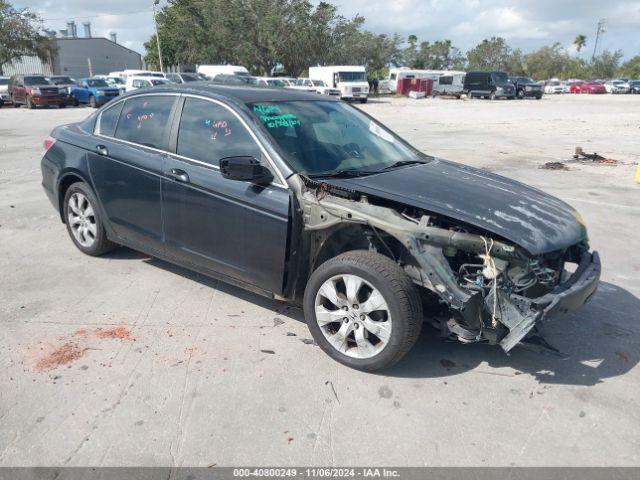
x=156 y=2
x=599 y=31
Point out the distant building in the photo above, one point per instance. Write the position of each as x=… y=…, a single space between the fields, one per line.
x=79 y=57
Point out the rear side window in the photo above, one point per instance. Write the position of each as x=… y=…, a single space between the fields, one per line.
x=209 y=132
x=446 y=80
x=145 y=120
x=109 y=120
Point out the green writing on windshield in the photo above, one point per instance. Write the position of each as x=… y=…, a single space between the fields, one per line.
x=266 y=109
x=273 y=117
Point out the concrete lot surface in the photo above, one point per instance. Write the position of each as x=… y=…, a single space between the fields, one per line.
x=125 y=360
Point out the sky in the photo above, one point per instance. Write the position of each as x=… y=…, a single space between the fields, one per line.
x=525 y=24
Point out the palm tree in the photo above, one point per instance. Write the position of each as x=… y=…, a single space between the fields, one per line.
x=580 y=41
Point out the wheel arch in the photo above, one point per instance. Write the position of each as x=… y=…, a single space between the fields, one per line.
x=357 y=236
x=65 y=180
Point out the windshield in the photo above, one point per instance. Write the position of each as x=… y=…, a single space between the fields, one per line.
x=35 y=81
x=319 y=83
x=189 y=78
x=61 y=80
x=500 y=77
x=352 y=77
x=324 y=138
x=97 y=82
x=159 y=81
x=115 y=80
x=276 y=83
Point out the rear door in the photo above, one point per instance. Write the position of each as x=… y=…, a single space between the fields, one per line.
x=19 y=90
x=126 y=166
x=230 y=227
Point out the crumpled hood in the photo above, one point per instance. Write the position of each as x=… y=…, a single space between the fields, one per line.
x=526 y=216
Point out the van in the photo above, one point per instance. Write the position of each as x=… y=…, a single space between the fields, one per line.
x=490 y=85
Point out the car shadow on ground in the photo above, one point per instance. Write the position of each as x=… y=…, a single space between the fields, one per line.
x=599 y=341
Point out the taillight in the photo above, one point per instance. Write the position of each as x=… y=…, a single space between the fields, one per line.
x=48 y=143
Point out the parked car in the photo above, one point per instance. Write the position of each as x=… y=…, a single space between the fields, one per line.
x=318 y=86
x=304 y=198
x=134 y=83
x=228 y=79
x=617 y=86
x=183 y=77
x=490 y=85
x=526 y=87
x=63 y=81
x=575 y=86
x=93 y=91
x=211 y=71
x=553 y=87
x=35 y=91
x=273 y=82
x=4 y=90
x=592 y=87
x=634 y=86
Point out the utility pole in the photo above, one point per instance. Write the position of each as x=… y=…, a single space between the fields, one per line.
x=156 y=2
x=599 y=31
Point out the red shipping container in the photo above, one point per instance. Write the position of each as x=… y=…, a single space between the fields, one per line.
x=406 y=85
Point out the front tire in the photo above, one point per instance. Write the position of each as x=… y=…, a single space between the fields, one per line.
x=92 y=102
x=363 y=310
x=363 y=100
x=83 y=220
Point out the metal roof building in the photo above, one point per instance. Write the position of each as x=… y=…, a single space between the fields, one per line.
x=83 y=57
x=79 y=57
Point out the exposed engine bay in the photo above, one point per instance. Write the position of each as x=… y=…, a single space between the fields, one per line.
x=476 y=285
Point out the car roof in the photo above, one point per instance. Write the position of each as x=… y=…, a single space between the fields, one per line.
x=241 y=94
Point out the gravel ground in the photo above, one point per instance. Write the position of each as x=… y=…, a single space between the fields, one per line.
x=126 y=360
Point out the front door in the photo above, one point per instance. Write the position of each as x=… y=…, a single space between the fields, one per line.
x=233 y=228
x=126 y=166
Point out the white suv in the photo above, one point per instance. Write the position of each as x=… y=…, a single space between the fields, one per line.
x=318 y=86
x=134 y=83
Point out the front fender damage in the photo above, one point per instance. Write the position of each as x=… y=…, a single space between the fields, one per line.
x=482 y=300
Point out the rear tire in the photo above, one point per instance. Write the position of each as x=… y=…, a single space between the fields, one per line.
x=84 y=225
x=62 y=105
x=383 y=310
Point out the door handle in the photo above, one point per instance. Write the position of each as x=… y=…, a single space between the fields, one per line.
x=102 y=150
x=178 y=175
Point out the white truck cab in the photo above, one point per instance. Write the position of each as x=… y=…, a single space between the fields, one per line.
x=351 y=80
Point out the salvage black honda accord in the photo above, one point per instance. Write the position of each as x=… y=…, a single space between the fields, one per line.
x=305 y=198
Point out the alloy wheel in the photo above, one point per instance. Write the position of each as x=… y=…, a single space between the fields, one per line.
x=82 y=220
x=353 y=316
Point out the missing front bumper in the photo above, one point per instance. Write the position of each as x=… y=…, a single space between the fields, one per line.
x=520 y=314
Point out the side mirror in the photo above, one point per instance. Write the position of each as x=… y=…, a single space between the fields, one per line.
x=245 y=169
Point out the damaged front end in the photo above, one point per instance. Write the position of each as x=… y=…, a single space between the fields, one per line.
x=477 y=286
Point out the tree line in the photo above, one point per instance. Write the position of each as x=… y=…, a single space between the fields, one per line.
x=295 y=34
x=262 y=34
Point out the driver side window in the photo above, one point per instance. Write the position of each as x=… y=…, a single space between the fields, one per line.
x=209 y=132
